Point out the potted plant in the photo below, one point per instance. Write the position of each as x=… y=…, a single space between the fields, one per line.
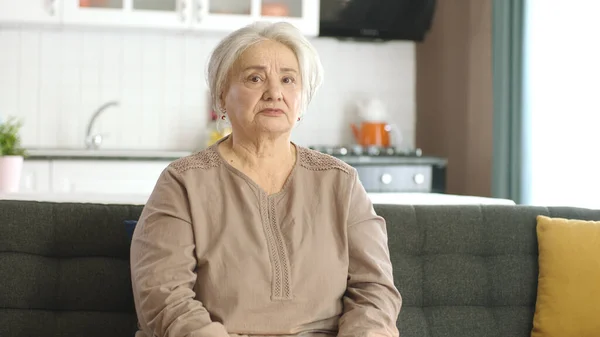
x=11 y=155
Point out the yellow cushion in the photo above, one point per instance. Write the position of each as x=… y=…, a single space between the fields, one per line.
x=568 y=294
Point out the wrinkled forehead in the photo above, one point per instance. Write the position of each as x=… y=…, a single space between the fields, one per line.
x=269 y=54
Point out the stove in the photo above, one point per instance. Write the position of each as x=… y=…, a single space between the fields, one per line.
x=389 y=169
x=373 y=151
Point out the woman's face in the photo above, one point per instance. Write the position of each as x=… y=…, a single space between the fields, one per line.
x=263 y=94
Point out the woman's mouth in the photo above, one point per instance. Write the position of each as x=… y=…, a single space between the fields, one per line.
x=272 y=112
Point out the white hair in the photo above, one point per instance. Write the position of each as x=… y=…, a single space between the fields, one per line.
x=232 y=46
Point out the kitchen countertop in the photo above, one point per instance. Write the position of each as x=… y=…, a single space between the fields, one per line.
x=159 y=155
x=104 y=154
x=395 y=160
x=376 y=198
x=435 y=199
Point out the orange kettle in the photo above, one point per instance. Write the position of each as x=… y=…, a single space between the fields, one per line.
x=372 y=134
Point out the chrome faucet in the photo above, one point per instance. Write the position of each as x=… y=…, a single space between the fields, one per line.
x=93 y=142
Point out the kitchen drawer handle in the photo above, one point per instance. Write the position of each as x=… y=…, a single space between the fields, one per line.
x=50 y=6
x=199 y=10
x=182 y=5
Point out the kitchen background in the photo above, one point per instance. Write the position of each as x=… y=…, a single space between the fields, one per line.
x=439 y=91
x=55 y=78
x=434 y=78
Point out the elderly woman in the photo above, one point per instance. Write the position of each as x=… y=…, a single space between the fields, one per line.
x=256 y=235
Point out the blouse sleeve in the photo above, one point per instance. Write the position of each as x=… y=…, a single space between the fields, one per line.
x=371 y=302
x=163 y=266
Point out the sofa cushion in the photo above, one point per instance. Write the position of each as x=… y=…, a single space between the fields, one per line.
x=568 y=295
x=65 y=270
x=467 y=270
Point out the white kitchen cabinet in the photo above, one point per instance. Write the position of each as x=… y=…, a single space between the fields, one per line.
x=35 y=177
x=304 y=14
x=180 y=15
x=223 y=15
x=229 y=15
x=30 y=11
x=172 y=14
x=105 y=176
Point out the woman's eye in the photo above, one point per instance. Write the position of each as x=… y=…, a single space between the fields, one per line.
x=255 y=79
x=288 y=80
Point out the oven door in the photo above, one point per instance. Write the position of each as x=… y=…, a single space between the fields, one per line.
x=395 y=178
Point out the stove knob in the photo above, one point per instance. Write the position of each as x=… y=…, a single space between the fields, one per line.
x=419 y=178
x=386 y=178
x=357 y=150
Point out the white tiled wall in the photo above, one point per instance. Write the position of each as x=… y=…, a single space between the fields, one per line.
x=55 y=79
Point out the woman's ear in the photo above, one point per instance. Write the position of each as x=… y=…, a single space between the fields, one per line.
x=223 y=91
x=222 y=95
x=222 y=101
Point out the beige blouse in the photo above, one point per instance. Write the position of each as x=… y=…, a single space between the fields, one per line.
x=213 y=255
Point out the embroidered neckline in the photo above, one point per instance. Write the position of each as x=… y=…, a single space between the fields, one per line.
x=306 y=158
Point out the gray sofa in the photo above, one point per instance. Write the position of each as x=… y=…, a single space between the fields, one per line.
x=462 y=270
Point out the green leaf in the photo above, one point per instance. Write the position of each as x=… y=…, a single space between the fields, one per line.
x=10 y=139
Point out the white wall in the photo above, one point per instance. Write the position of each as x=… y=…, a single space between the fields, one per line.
x=55 y=78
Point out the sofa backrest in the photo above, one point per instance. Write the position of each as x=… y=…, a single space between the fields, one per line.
x=64 y=270
x=462 y=270
x=467 y=270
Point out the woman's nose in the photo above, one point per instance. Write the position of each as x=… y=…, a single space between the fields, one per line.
x=273 y=91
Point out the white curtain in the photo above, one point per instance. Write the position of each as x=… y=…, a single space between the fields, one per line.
x=562 y=103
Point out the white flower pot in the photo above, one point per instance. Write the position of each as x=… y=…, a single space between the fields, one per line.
x=10 y=173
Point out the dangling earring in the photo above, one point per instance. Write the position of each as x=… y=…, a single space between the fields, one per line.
x=223 y=117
